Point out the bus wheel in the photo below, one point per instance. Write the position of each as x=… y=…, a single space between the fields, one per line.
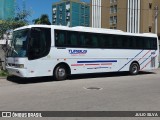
x=134 y=69
x=60 y=73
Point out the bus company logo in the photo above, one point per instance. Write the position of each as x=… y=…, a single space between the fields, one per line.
x=77 y=52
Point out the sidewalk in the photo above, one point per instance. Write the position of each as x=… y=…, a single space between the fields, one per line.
x=3 y=77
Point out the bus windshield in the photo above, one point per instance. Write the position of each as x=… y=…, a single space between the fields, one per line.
x=19 y=44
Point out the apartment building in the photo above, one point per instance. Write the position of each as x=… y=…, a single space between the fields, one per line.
x=71 y=13
x=135 y=16
x=7 y=9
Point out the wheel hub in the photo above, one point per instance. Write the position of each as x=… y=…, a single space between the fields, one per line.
x=134 y=69
x=61 y=72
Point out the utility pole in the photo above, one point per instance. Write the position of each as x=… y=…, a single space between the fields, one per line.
x=156 y=19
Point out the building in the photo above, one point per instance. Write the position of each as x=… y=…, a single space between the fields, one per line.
x=7 y=9
x=96 y=14
x=135 y=16
x=71 y=13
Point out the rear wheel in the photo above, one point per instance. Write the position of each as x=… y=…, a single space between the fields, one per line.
x=60 y=73
x=134 y=69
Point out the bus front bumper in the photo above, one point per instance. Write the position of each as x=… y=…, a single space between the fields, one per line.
x=17 y=71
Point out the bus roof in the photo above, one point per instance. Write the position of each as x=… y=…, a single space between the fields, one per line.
x=90 y=29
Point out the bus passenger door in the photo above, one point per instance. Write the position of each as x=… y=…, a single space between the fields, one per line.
x=38 y=48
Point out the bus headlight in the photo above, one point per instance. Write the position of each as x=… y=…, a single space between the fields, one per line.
x=19 y=65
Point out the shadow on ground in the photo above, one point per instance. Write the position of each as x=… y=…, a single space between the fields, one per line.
x=19 y=80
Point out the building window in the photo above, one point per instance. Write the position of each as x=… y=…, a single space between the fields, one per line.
x=115 y=9
x=115 y=20
x=54 y=16
x=68 y=7
x=111 y=20
x=111 y=9
x=150 y=5
x=54 y=10
x=68 y=14
x=60 y=8
x=82 y=24
x=60 y=16
x=115 y=1
x=150 y=29
x=82 y=6
x=54 y=20
x=86 y=15
x=114 y=27
x=87 y=25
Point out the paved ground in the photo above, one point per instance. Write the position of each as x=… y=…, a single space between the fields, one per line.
x=119 y=92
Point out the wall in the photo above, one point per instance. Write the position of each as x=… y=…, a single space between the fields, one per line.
x=2 y=56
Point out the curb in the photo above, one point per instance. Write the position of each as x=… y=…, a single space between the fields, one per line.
x=3 y=77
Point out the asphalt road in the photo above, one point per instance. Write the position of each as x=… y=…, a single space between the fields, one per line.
x=94 y=92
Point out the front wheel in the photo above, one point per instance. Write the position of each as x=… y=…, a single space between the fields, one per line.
x=134 y=69
x=60 y=73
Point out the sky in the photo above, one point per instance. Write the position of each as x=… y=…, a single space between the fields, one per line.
x=39 y=7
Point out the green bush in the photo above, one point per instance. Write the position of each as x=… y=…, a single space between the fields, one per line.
x=4 y=73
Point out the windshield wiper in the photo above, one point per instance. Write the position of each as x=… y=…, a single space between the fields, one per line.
x=14 y=50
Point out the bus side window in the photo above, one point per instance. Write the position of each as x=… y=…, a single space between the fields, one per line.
x=88 y=40
x=126 y=42
x=39 y=42
x=132 y=42
x=59 y=38
x=84 y=40
x=94 y=41
x=42 y=42
x=102 y=41
x=153 y=42
x=72 y=39
x=140 y=43
x=147 y=44
x=109 y=41
x=81 y=39
x=119 y=41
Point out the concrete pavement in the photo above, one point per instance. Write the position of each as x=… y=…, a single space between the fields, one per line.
x=119 y=92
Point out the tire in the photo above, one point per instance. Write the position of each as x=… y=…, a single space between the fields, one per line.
x=60 y=73
x=134 y=69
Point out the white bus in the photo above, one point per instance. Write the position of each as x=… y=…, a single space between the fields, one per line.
x=59 y=51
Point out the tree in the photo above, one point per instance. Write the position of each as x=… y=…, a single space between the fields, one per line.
x=20 y=19
x=44 y=19
x=22 y=14
x=8 y=25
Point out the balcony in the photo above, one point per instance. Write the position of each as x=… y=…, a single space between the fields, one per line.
x=68 y=14
x=67 y=18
